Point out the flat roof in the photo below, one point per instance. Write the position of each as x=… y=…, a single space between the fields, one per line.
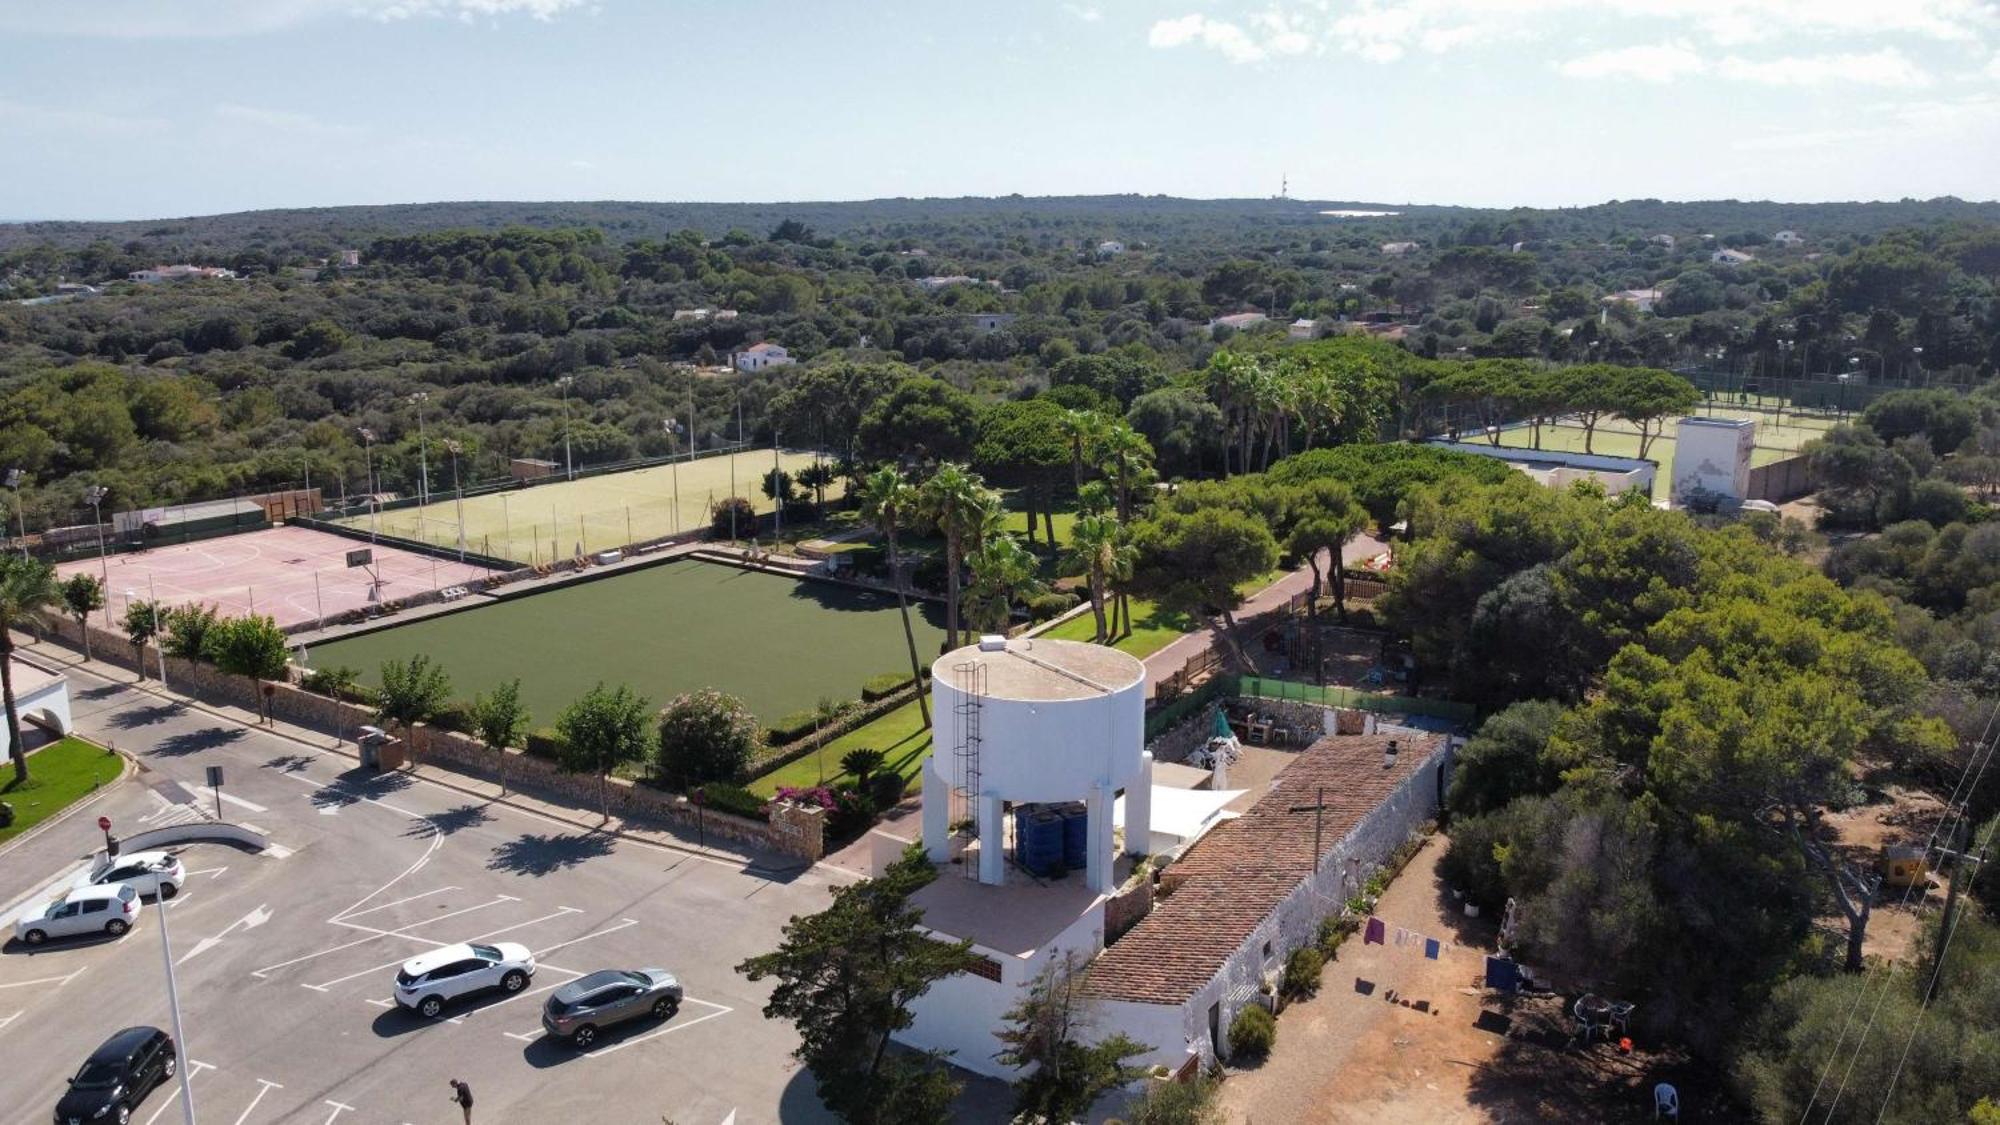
x=1040 y=669
x=1720 y=423
x=1018 y=918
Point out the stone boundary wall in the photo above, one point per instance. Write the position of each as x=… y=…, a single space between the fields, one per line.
x=1123 y=910
x=1316 y=719
x=450 y=750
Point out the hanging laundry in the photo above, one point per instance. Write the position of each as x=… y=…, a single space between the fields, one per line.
x=1502 y=973
x=1431 y=948
x=1374 y=933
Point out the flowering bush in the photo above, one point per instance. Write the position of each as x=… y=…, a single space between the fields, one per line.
x=817 y=795
x=706 y=736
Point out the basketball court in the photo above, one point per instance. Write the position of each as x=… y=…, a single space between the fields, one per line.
x=293 y=575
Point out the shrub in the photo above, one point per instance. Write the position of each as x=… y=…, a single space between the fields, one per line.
x=1252 y=1033
x=706 y=736
x=455 y=716
x=545 y=744
x=727 y=797
x=745 y=518
x=790 y=728
x=799 y=512
x=853 y=813
x=337 y=682
x=1176 y=1103
x=1049 y=606
x=1302 y=971
x=861 y=763
x=1333 y=930
x=885 y=789
x=884 y=685
x=928 y=574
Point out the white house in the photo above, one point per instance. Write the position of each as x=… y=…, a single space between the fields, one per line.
x=1304 y=328
x=944 y=281
x=349 y=259
x=1398 y=249
x=757 y=357
x=1788 y=238
x=1727 y=257
x=41 y=697
x=1110 y=248
x=1238 y=321
x=1666 y=240
x=181 y=272
x=989 y=321
x=1712 y=457
x=1641 y=299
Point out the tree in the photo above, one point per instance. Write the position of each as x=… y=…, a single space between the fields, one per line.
x=1003 y=572
x=1098 y=550
x=1946 y=418
x=82 y=595
x=922 y=418
x=845 y=979
x=500 y=718
x=1022 y=444
x=188 y=627
x=1590 y=391
x=28 y=591
x=1045 y=1035
x=1085 y=432
x=817 y=476
x=777 y=485
x=251 y=647
x=1504 y=760
x=141 y=623
x=1181 y=425
x=887 y=499
x=1648 y=396
x=958 y=504
x=706 y=736
x=412 y=692
x=1324 y=517
x=605 y=729
x=1195 y=562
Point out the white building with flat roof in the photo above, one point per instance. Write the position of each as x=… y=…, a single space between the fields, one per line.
x=1712 y=456
x=41 y=698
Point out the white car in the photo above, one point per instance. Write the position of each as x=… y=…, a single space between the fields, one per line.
x=427 y=982
x=159 y=874
x=110 y=909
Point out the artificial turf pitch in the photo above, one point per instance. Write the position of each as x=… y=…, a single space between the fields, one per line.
x=778 y=643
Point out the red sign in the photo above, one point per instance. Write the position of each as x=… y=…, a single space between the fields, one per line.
x=104 y=823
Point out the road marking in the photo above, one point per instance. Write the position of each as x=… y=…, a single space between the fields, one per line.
x=266 y=1087
x=373 y=934
x=398 y=902
x=671 y=1026
x=574 y=974
x=10 y=1019
x=58 y=981
x=622 y=925
x=731 y=1119
x=211 y=871
x=278 y=851
x=338 y=1109
x=247 y=923
x=324 y=985
x=235 y=800
x=194 y=1071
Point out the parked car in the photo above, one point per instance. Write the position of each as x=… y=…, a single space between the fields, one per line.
x=580 y=1009
x=430 y=981
x=109 y=909
x=159 y=874
x=117 y=1077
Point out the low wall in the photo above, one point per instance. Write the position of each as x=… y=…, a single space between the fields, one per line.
x=456 y=752
x=214 y=831
x=1780 y=481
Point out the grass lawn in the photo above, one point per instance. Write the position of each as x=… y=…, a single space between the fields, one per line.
x=1617 y=438
x=59 y=774
x=899 y=734
x=778 y=643
x=1152 y=629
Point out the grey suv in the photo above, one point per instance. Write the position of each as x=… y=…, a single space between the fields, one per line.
x=580 y=1009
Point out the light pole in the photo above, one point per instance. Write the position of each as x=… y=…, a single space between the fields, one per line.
x=1918 y=353
x=569 y=464
x=368 y=447
x=458 y=494
x=174 y=1003
x=423 y=450
x=674 y=466
x=96 y=494
x=15 y=479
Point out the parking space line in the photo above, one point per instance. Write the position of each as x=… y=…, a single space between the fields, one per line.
x=670 y=1027
x=266 y=1086
x=539 y=969
x=10 y=1019
x=626 y=923
x=412 y=898
x=234 y=800
x=195 y=1068
x=58 y=981
x=324 y=985
x=374 y=934
x=338 y=1109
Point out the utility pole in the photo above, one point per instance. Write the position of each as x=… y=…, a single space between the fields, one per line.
x=1953 y=856
x=423 y=451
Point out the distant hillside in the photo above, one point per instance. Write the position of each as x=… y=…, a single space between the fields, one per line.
x=1108 y=216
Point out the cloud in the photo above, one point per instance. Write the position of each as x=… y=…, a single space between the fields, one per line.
x=71 y=120
x=1665 y=62
x=215 y=19
x=1088 y=14
x=1230 y=40
x=1969 y=118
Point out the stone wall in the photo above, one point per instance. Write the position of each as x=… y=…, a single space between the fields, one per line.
x=1123 y=910
x=1315 y=719
x=456 y=752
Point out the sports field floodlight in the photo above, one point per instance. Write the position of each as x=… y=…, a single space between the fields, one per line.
x=15 y=479
x=368 y=446
x=95 y=495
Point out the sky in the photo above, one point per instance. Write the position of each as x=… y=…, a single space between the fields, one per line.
x=127 y=109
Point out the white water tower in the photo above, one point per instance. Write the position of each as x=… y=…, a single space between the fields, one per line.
x=1037 y=721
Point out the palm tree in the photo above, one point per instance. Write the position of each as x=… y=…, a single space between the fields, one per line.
x=887 y=499
x=1003 y=571
x=961 y=507
x=1128 y=461
x=1097 y=549
x=1085 y=431
x=28 y=591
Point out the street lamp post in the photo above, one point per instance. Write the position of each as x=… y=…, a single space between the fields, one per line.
x=674 y=466
x=458 y=494
x=569 y=464
x=423 y=451
x=96 y=494
x=1918 y=353
x=174 y=1003
x=368 y=447
x=15 y=479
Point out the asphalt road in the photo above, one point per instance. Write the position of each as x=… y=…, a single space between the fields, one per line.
x=285 y=959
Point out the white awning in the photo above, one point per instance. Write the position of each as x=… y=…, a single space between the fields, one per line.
x=1182 y=815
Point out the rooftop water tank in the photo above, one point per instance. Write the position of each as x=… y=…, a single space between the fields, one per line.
x=1056 y=719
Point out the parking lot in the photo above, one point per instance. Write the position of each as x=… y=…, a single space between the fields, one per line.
x=286 y=959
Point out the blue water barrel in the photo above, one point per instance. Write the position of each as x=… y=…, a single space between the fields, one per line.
x=1038 y=839
x=1076 y=835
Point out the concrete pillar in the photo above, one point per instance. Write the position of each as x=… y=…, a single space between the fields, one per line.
x=1103 y=858
x=992 y=841
x=937 y=814
x=1139 y=809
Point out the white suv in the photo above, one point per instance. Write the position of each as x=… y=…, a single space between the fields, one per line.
x=447 y=973
x=150 y=873
x=111 y=909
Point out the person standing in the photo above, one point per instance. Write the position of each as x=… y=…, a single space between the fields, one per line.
x=462 y=1094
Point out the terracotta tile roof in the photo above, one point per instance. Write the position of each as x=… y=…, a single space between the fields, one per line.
x=1231 y=881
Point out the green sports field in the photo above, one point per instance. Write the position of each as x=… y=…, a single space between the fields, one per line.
x=556 y=519
x=1777 y=439
x=781 y=644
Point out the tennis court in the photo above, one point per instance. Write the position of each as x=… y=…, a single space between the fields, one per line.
x=778 y=643
x=293 y=575
x=1778 y=437
x=559 y=519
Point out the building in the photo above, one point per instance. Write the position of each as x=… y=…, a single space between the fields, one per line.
x=1788 y=238
x=1618 y=475
x=1237 y=321
x=181 y=272
x=1641 y=299
x=1726 y=257
x=1110 y=249
x=1712 y=458
x=757 y=357
x=1666 y=240
x=990 y=322
x=350 y=259
x=41 y=697
x=1304 y=328
x=1398 y=249
x=945 y=281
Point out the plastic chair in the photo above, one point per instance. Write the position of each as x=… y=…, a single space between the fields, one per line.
x=1666 y=1102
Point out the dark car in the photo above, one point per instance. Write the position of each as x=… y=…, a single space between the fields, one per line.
x=117 y=1077
x=580 y=1009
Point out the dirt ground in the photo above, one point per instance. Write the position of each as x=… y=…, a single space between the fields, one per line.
x=1896 y=815
x=1394 y=1037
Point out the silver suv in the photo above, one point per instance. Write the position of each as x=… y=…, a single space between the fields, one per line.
x=580 y=1009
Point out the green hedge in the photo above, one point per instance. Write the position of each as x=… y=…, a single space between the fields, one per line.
x=792 y=727
x=887 y=684
x=725 y=797
x=544 y=743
